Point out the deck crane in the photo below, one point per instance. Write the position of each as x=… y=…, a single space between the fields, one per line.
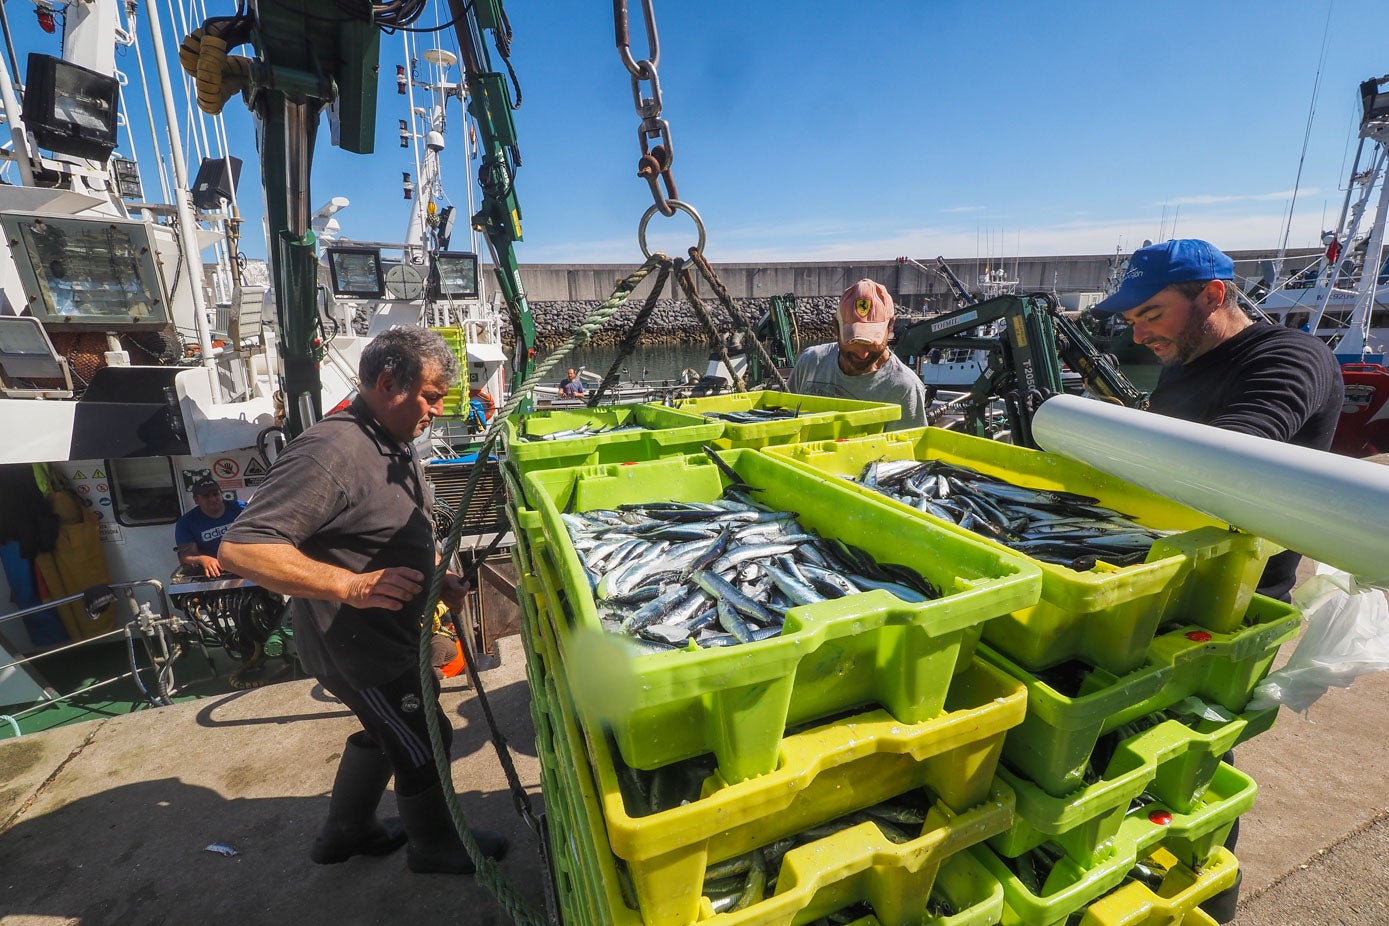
x=1024 y=367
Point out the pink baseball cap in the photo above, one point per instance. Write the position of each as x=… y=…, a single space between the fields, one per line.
x=865 y=312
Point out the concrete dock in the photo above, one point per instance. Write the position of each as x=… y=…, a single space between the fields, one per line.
x=108 y=822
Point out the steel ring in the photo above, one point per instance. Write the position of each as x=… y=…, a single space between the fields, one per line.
x=680 y=207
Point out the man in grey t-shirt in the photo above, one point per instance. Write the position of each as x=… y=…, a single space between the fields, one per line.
x=859 y=365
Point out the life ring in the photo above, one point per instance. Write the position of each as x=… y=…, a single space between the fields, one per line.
x=489 y=405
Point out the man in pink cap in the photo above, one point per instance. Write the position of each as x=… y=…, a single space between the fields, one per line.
x=859 y=365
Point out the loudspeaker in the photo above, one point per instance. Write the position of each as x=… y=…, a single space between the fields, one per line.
x=216 y=181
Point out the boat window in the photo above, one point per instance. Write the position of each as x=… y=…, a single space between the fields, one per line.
x=1296 y=319
x=143 y=490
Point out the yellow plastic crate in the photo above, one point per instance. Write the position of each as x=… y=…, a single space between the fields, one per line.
x=822 y=774
x=456 y=401
x=818 y=417
x=592 y=881
x=1173 y=761
x=1108 y=616
x=1175 y=901
x=1195 y=839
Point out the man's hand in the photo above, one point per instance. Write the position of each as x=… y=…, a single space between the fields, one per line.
x=454 y=592
x=211 y=568
x=386 y=588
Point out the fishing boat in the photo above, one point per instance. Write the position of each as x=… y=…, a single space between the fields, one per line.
x=125 y=376
x=1343 y=297
x=125 y=379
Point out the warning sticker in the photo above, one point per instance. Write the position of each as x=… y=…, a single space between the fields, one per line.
x=255 y=468
x=111 y=532
x=226 y=468
x=98 y=474
x=78 y=476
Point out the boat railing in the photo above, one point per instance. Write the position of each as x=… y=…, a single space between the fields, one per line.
x=152 y=629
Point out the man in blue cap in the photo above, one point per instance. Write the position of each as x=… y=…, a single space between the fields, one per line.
x=1221 y=367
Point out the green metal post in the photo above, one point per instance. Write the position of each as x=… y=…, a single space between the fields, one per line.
x=288 y=130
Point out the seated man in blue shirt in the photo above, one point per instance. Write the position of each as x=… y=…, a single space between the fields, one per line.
x=199 y=532
x=571 y=387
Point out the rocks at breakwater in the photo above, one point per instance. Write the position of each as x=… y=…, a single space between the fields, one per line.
x=674 y=321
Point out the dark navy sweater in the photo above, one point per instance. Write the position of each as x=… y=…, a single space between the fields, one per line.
x=1267 y=381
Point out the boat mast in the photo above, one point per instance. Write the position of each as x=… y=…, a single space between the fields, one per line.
x=1374 y=127
x=17 y=133
x=186 y=220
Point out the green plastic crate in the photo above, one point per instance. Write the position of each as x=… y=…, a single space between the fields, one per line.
x=666 y=432
x=1195 y=839
x=1054 y=742
x=823 y=773
x=820 y=418
x=1108 y=616
x=1174 y=903
x=593 y=879
x=1173 y=761
x=832 y=656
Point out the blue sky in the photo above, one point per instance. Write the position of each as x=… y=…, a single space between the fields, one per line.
x=832 y=131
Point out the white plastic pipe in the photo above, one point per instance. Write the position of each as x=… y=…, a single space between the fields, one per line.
x=1332 y=508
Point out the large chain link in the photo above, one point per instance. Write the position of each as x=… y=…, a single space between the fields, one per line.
x=656 y=159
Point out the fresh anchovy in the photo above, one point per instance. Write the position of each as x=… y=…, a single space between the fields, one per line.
x=733 y=583
x=756 y=415
x=587 y=429
x=1059 y=527
x=745 y=880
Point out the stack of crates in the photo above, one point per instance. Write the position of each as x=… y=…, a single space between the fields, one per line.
x=861 y=705
x=809 y=417
x=1137 y=683
x=456 y=401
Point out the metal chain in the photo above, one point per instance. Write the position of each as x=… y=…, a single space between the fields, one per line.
x=726 y=300
x=656 y=160
x=687 y=283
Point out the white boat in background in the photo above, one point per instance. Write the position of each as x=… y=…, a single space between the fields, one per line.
x=372 y=286
x=1344 y=296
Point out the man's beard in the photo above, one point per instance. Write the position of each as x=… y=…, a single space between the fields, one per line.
x=1186 y=343
x=855 y=367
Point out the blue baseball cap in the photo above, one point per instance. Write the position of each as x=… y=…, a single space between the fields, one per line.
x=1158 y=266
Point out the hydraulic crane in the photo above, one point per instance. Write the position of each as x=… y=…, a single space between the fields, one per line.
x=1024 y=367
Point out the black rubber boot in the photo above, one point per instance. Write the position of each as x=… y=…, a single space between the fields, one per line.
x=1222 y=906
x=352 y=827
x=434 y=844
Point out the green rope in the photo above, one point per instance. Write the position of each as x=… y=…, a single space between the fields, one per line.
x=729 y=306
x=488 y=872
x=629 y=343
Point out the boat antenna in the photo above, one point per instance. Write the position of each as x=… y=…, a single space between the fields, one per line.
x=1306 y=138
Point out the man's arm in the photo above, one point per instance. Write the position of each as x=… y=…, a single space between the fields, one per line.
x=188 y=555
x=281 y=568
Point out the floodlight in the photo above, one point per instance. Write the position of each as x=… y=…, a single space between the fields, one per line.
x=356 y=272
x=454 y=275
x=70 y=109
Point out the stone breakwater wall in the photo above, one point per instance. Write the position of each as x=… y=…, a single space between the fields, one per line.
x=674 y=321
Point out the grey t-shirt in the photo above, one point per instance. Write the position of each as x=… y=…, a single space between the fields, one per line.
x=817 y=373
x=345 y=492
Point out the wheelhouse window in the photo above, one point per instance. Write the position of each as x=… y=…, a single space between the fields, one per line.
x=143 y=490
